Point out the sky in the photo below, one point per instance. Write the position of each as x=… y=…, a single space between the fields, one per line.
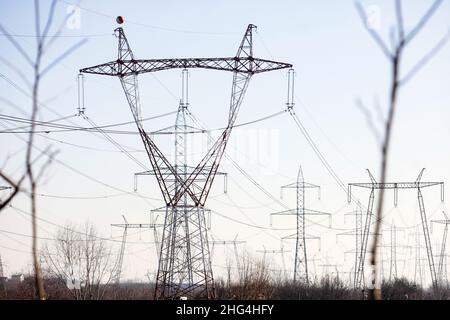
x=336 y=63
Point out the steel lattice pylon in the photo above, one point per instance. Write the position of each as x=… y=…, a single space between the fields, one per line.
x=301 y=256
x=185 y=193
x=374 y=185
x=442 y=266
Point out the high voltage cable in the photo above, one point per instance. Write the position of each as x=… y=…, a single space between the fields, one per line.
x=2 y=232
x=71 y=127
x=48 y=232
x=27 y=94
x=46 y=195
x=67 y=128
x=116 y=144
x=317 y=151
x=64 y=164
x=242 y=171
x=76 y=231
x=251 y=225
x=259 y=186
x=147 y=25
x=57 y=36
x=53 y=239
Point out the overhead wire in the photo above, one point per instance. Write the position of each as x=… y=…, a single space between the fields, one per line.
x=246 y=175
x=67 y=128
x=67 y=166
x=151 y=26
x=116 y=144
x=78 y=232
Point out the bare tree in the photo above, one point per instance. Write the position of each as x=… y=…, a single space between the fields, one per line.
x=43 y=42
x=253 y=280
x=80 y=259
x=400 y=39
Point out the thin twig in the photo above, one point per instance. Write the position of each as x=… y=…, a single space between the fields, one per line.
x=376 y=37
x=423 y=21
x=369 y=119
x=426 y=58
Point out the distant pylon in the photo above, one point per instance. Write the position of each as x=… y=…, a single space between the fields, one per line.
x=395 y=186
x=393 y=264
x=117 y=269
x=442 y=266
x=301 y=256
x=281 y=252
x=1 y=267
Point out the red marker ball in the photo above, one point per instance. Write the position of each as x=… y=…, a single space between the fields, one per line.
x=120 y=20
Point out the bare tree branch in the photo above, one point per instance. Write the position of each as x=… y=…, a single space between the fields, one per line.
x=60 y=28
x=376 y=37
x=399 y=15
x=426 y=58
x=49 y=19
x=379 y=111
x=64 y=55
x=16 y=45
x=423 y=21
x=369 y=119
x=17 y=71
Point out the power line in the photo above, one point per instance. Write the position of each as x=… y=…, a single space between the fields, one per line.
x=75 y=231
x=64 y=164
x=148 y=25
x=316 y=150
x=56 y=36
x=67 y=128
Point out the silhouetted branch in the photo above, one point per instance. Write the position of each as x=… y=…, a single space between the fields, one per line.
x=369 y=119
x=16 y=45
x=426 y=17
x=17 y=71
x=426 y=58
x=63 y=55
x=376 y=37
x=399 y=15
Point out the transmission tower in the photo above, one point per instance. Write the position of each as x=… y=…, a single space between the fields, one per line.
x=1 y=267
x=117 y=270
x=234 y=243
x=374 y=185
x=358 y=234
x=326 y=265
x=418 y=270
x=392 y=246
x=443 y=255
x=301 y=257
x=281 y=252
x=195 y=186
x=226 y=243
x=2 y=278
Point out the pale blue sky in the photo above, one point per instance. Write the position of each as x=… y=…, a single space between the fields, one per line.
x=335 y=61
